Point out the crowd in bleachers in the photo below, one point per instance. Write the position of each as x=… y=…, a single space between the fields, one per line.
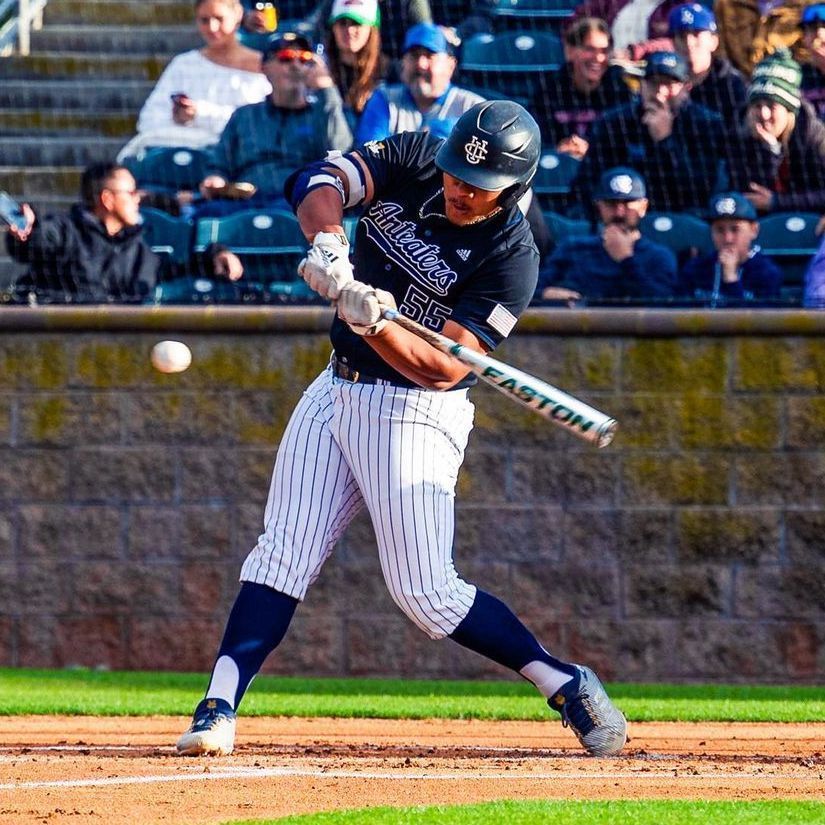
x=683 y=160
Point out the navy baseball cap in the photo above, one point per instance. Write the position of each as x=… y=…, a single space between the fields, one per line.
x=286 y=40
x=814 y=15
x=426 y=36
x=691 y=17
x=732 y=205
x=666 y=64
x=620 y=184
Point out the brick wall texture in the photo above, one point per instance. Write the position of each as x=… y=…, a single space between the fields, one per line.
x=693 y=548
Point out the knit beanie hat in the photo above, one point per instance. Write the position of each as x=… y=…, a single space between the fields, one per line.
x=777 y=77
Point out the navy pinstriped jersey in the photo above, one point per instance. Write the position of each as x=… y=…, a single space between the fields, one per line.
x=481 y=276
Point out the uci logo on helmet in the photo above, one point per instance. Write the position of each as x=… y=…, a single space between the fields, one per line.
x=476 y=150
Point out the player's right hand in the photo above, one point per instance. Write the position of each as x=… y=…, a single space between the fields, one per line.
x=327 y=268
x=360 y=305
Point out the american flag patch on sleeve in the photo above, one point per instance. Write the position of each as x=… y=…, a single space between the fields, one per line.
x=501 y=320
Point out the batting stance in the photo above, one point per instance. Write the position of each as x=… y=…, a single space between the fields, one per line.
x=386 y=423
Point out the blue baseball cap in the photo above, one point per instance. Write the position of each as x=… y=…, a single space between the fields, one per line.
x=814 y=15
x=620 y=184
x=691 y=17
x=426 y=36
x=732 y=205
x=667 y=64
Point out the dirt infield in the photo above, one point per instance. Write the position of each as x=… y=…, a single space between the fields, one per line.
x=122 y=770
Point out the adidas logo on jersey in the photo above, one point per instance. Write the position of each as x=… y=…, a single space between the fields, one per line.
x=463 y=254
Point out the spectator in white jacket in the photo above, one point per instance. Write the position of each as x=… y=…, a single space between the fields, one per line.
x=200 y=89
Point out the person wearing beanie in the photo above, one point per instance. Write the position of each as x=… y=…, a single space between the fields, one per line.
x=736 y=271
x=813 y=72
x=751 y=29
x=780 y=165
x=715 y=83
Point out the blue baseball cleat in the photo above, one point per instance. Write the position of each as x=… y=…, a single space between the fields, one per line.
x=212 y=730
x=586 y=708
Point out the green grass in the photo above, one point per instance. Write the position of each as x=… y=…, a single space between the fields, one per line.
x=642 y=812
x=142 y=694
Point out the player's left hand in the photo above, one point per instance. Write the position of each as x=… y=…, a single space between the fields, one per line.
x=327 y=268
x=360 y=305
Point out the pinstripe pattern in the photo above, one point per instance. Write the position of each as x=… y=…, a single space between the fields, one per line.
x=399 y=451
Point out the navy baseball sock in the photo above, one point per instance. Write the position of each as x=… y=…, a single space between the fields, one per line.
x=256 y=625
x=494 y=631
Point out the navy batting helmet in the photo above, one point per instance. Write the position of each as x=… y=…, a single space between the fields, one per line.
x=493 y=145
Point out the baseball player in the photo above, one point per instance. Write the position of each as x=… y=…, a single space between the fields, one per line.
x=386 y=423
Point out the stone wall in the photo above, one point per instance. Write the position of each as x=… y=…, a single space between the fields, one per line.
x=693 y=548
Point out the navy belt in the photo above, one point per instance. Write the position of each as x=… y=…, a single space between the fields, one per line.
x=342 y=370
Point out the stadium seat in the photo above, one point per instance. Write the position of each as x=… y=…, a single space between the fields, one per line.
x=554 y=175
x=169 y=237
x=561 y=227
x=686 y=235
x=168 y=169
x=790 y=239
x=517 y=63
x=270 y=244
x=532 y=15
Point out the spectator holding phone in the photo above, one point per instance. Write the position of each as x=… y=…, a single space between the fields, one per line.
x=200 y=89
x=96 y=253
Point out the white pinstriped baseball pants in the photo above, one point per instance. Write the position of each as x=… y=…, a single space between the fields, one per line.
x=395 y=449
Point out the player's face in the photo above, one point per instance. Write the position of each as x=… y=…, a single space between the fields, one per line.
x=697 y=48
x=588 y=62
x=350 y=37
x=734 y=235
x=465 y=204
x=426 y=73
x=626 y=214
x=771 y=116
x=217 y=21
x=121 y=198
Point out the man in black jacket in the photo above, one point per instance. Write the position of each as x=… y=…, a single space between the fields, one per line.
x=676 y=145
x=96 y=253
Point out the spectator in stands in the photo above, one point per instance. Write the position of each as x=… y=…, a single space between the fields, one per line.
x=353 y=53
x=713 y=80
x=618 y=262
x=813 y=72
x=814 y=294
x=638 y=27
x=737 y=271
x=678 y=146
x=781 y=162
x=264 y=142
x=200 y=89
x=96 y=253
x=586 y=85
x=751 y=29
x=259 y=16
x=426 y=97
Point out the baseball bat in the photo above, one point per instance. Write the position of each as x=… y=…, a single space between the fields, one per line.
x=568 y=412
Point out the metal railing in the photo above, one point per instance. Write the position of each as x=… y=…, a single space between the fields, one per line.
x=17 y=19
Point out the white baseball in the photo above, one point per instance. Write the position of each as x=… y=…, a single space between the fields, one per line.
x=171 y=356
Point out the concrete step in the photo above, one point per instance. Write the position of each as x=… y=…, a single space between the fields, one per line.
x=116 y=39
x=102 y=94
x=58 y=151
x=130 y=12
x=66 y=122
x=68 y=65
x=28 y=182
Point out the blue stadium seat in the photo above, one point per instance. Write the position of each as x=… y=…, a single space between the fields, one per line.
x=686 y=235
x=169 y=237
x=790 y=239
x=561 y=227
x=168 y=169
x=270 y=244
x=515 y=63
x=530 y=14
x=554 y=175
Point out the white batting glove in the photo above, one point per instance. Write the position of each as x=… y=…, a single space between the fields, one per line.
x=360 y=305
x=326 y=267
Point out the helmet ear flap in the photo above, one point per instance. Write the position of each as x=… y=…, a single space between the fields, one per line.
x=512 y=194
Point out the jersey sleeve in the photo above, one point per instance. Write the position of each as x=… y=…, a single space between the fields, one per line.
x=496 y=297
x=399 y=160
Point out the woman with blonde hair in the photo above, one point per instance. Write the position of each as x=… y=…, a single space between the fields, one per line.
x=200 y=89
x=353 y=52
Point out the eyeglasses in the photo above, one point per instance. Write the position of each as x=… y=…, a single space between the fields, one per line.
x=290 y=55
